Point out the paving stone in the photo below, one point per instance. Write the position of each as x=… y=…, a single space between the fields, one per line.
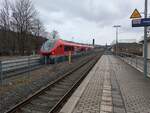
x=116 y=96
x=106 y=108
x=106 y=98
x=103 y=112
x=106 y=103
x=92 y=95
x=106 y=91
x=102 y=94
x=119 y=110
x=134 y=88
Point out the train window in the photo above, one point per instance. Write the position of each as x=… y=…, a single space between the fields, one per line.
x=48 y=45
x=68 y=48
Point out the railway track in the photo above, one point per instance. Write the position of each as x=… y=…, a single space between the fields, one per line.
x=51 y=97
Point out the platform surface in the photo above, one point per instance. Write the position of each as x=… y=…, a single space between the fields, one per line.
x=112 y=86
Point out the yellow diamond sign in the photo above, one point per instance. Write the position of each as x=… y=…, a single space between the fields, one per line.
x=135 y=14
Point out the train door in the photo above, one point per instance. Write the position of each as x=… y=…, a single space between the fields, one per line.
x=60 y=50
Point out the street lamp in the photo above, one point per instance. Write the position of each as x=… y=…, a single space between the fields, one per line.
x=117 y=27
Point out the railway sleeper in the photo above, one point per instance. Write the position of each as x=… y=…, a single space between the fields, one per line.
x=51 y=93
x=45 y=97
x=41 y=102
x=62 y=86
x=29 y=111
x=30 y=108
x=58 y=89
x=48 y=104
x=74 y=78
x=56 y=97
x=65 y=83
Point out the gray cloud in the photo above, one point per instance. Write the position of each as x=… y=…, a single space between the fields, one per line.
x=85 y=19
x=101 y=12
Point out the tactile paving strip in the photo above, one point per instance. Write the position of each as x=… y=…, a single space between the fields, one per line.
x=91 y=98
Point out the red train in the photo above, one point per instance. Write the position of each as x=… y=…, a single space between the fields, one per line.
x=58 y=47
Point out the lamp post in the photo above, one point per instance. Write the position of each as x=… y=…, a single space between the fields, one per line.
x=117 y=27
x=145 y=41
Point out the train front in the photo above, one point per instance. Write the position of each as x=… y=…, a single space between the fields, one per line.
x=46 y=50
x=47 y=47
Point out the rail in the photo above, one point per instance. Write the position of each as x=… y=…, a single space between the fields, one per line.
x=135 y=61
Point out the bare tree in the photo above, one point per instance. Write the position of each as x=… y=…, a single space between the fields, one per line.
x=5 y=16
x=5 y=27
x=37 y=31
x=54 y=34
x=23 y=15
x=19 y=25
x=38 y=28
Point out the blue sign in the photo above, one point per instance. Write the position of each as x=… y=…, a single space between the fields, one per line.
x=141 y=22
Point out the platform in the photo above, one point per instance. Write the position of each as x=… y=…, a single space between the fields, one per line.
x=112 y=86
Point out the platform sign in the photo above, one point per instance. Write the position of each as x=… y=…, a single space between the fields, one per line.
x=141 y=22
x=135 y=14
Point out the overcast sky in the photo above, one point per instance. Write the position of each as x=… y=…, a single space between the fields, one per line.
x=87 y=19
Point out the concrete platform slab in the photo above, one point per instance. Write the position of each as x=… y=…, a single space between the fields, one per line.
x=112 y=86
x=135 y=89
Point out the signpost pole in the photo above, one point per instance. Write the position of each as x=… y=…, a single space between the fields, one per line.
x=69 y=57
x=117 y=27
x=116 y=40
x=145 y=41
x=1 y=73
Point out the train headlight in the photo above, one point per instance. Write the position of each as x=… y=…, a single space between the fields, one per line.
x=53 y=52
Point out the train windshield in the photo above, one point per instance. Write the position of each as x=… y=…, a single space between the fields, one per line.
x=48 y=45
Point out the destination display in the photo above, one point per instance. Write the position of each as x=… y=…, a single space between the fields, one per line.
x=141 y=22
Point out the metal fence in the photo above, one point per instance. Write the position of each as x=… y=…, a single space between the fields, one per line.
x=12 y=67
x=135 y=61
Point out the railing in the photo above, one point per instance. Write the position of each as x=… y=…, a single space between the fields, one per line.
x=15 y=67
x=135 y=61
x=11 y=67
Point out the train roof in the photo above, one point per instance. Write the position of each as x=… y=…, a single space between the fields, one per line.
x=70 y=43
